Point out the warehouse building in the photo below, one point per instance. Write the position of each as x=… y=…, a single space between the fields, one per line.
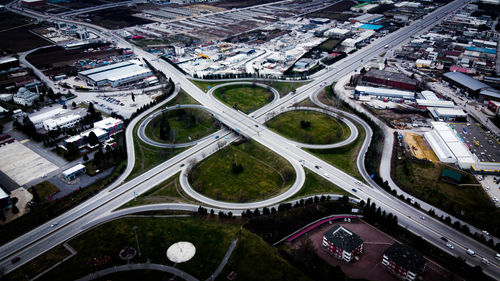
x=32 y=3
x=447 y=114
x=7 y=63
x=382 y=92
x=469 y=84
x=115 y=74
x=449 y=148
x=394 y=80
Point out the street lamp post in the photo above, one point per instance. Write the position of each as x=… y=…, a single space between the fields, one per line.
x=137 y=240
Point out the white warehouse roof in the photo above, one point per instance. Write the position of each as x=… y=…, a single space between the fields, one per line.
x=435 y=103
x=73 y=169
x=362 y=90
x=450 y=112
x=444 y=140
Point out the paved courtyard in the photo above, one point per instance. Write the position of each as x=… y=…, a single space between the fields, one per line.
x=23 y=165
x=369 y=266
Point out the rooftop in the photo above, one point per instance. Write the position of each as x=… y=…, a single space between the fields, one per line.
x=343 y=238
x=454 y=175
x=73 y=169
x=406 y=257
x=466 y=80
x=393 y=76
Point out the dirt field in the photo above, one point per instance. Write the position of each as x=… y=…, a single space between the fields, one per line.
x=117 y=17
x=419 y=147
x=16 y=35
x=369 y=266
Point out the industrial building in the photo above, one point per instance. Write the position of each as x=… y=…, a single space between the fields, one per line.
x=471 y=85
x=38 y=119
x=403 y=261
x=342 y=243
x=449 y=148
x=115 y=74
x=71 y=173
x=382 y=92
x=447 y=114
x=394 y=80
x=32 y=3
x=7 y=63
x=67 y=121
x=103 y=129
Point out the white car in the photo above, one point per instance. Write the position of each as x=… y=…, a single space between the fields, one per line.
x=485 y=261
x=449 y=245
x=326 y=175
x=497 y=256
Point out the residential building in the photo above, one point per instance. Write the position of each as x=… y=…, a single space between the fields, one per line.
x=403 y=261
x=342 y=243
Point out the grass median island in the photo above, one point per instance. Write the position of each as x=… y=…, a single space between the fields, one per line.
x=283 y=87
x=181 y=125
x=242 y=173
x=344 y=157
x=310 y=127
x=314 y=185
x=246 y=98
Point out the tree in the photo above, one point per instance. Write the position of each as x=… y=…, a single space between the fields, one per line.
x=363 y=70
x=73 y=104
x=133 y=97
x=85 y=158
x=64 y=106
x=92 y=139
x=91 y=109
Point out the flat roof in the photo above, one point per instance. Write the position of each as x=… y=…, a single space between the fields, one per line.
x=450 y=111
x=7 y=59
x=371 y=26
x=105 y=68
x=119 y=73
x=436 y=103
x=384 y=92
x=73 y=169
x=107 y=122
x=388 y=75
x=47 y=115
x=466 y=80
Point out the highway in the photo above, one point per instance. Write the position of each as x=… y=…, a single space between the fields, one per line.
x=78 y=219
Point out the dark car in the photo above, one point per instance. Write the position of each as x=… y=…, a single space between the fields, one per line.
x=317 y=167
x=444 y=239
x=16 y=259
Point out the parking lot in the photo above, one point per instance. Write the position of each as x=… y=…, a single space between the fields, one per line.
x=486 y=148
x=369 y=266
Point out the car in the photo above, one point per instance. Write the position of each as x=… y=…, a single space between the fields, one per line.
x=422 y=218
x=449 y=245
x=484 y=231
x=444 y=239
x=355 y=190
x=471 y=252
x=485 y=261
x=54 y=224
x=216 y=137
x=359 y=183
x=16 y=259
x=182 y=165
x=316 y=166
x=326 y=175
x=256 y=126
x=497 y=256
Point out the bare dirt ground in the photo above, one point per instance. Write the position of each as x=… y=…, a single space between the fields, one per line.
x=16 y=34
x=369 y=266
x=419 y=147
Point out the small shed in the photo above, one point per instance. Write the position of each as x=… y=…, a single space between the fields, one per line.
x=71 y=173
x=450 y=176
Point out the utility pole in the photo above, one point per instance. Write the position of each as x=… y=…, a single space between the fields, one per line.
x=137 y=240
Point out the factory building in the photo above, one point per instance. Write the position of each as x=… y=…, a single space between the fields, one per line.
x=115 y=74
x=67 y=121
x=447 y=114
x=389 y=79
x=103 y=129
x=71 y=173
x=382 y=92
x=8 y=63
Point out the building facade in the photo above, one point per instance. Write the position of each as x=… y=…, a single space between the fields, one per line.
x=403 y=261
x=342 y=243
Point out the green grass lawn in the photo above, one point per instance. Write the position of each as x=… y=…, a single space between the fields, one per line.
x=182 y=98
x=323 y=129
x=328 y=45
x=39 y=264
x=210 y=236
x=186 y=124
x=155 y=235
x=166 y=192
x=264 y=174
x=246 y=98
x=344 y=157
x=44 y=189
x=470 y=203
x=282 y=87
x=315 y=184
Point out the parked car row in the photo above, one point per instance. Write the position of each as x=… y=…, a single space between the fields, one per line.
x=6 y=139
